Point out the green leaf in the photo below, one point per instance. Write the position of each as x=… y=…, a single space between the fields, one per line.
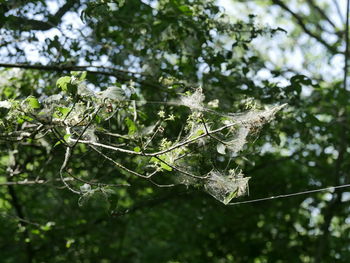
x=57 y=143
x=162 y=165
x=33 y=102
x=154 y=160
x=64 y=111
x=229 y=197
x=8 y=92
x=66 y=137
x=48 y=226
x=63 y=82
x=66 y=85
x=35 y=231
x=185 y=9
x=81 y=75
x=20 y=120
x=69 y=242
x=166 y=167
x=131 y=126
x=137 y=149
x=200 y=132
x=26 y=118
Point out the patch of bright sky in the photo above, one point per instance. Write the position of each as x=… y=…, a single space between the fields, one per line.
x=53 y=5
x=69 y=19
x=276 y=50
x=273 y=49
x=153 y=4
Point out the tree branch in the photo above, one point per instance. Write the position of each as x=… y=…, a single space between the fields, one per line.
x=337 y=7
x=184 y=143
x=304 y=27
x=26 y=24
x=329 y=211
x=321 y=12
x=23 y=222
x=122 y=166
x=328 y=216
x=121 y=75
x=32 y=182
x=63 y=168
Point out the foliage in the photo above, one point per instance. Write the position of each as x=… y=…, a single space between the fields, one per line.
x=130 y=110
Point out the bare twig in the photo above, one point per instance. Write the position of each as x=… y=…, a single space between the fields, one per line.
x=123 y=167
x=26 y=221
x=210 y=135
x=27 y=24
x=63 y=168
x=330 y=188
x=70 y=111
x=87 y=126
x=96 y=184
x=119 y=74
x=153 y=135
x=161 y=185
x=58 y=136
x=160 y=152
x=31 y=182
x=21 y=135
x=114 y=134
x=321 y=12
x=301 y=23
x=180 y=170
x=337 y=7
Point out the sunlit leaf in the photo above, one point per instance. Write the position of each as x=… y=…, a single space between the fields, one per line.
x=33 y=102
x=63 y=82
x=131 y=126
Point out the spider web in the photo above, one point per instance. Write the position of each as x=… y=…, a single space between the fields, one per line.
x=222 y=185
x=226 y=187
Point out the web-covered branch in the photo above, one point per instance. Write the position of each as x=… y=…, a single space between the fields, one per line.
x=80 y=119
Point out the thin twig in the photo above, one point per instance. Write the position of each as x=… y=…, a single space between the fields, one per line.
x=96 y=184
x=337 y=7
x=301 y=23
x=59 y=136
x=180 y=170
x=31 y=182
x=119 y=74
x=20 y=219
x=210 y=135
x=73 y=106
x=63 y=168
x=153 y=135
x=156 y=153
x=321 y=12
x=123 y=167
x=161 y=185
x=87 y=126
x=114 y=135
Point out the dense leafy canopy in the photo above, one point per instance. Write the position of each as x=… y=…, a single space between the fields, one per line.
x=119 y=117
